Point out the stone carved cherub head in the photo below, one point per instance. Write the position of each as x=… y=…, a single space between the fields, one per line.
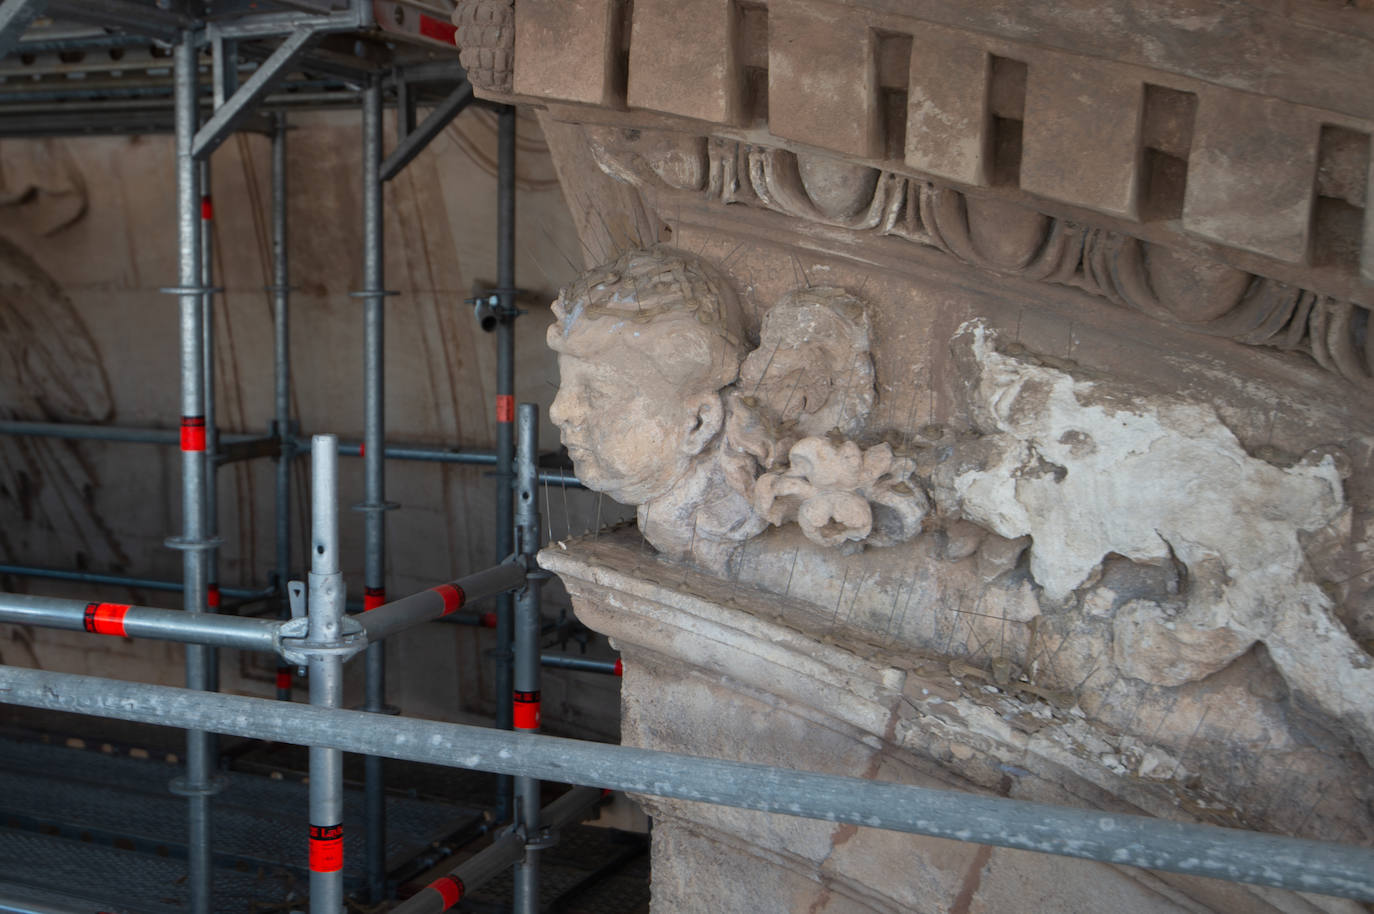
x=661 y=405
x=645 y=346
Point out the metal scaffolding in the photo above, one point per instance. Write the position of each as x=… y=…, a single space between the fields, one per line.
x=262 y=64
x=505 y=313
x=1199 y=850
x=324 y=639
x=194 y=541
x=282 y=429
x=375 y=505
x=286 y=65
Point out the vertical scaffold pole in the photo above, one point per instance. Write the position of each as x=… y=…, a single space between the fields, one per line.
x=505 y=417
x=207 y=323
x=197 y=784
x=281 y=364
x=374 y=572
x=526 y=698
x=326 y=607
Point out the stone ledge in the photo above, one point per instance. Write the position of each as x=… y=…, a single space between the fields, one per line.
x=900 y=697
x=726 y=670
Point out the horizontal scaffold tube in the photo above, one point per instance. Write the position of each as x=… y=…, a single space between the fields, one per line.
x=1199 y=850
x=122 y=580
x=437 y=602
x=582 y=664
x=76 y=431
x=473 y=873
x=431 y=454
x=172 y=436
x=241 y=632
x=507 y=850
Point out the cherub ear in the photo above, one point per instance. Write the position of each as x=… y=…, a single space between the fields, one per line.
x=707 y=415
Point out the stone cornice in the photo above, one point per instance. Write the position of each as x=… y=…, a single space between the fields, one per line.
x=1173 y=285
x=1242 y=125
x=1304 y=51
x=1166 y=162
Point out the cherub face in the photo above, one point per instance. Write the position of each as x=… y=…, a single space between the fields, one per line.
x=630 y=433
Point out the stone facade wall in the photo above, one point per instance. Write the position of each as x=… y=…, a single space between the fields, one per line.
x=1091 y=521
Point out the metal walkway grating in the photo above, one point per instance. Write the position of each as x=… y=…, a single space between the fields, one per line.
x=121 y=881
x=105 y=828
x=589 y=871
x=84 y=831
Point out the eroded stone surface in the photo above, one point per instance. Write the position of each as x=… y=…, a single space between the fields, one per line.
x=567 y=49
x=1138 y=577
x=1082 y=134
x=664 y=60
x=821 y=79
x=1089 y=470
x=948 y=128
x=812 y=366
x=1081 y=544
x=778 y=676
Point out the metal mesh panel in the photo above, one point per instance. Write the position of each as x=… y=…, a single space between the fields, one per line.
x=117 y=812
x=121 y=881
x=104 y=828
x=595 y=870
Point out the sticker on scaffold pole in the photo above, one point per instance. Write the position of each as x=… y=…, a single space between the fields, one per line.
x=193 y=433
x=105 y=618
x=453 y=597
x=526 y=711
x=326 y=848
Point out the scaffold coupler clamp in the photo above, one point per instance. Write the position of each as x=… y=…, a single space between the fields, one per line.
x=293 y=636
x=181 y=787
x=287 y=434
x=533 y=570
x=490 y=309
x=541 y=838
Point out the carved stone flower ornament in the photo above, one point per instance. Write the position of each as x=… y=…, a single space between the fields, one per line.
x=840 y=493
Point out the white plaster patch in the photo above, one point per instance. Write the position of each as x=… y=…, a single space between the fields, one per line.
x=1085 y=475
x=1087 y=470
